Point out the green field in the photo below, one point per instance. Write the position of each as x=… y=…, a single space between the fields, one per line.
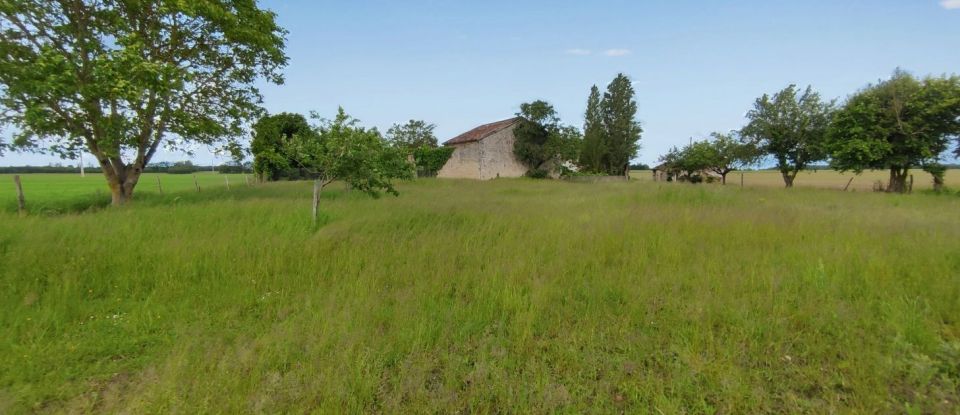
x=59 y=193
x=510 y=296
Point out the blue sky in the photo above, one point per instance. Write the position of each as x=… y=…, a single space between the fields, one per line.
x=697 y=66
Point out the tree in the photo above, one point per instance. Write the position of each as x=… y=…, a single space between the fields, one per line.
x=541 y=140
x=413 y=134
x=696 y=158
x=594 y=138
x=677 y=161
x=897 y=124
x=791 y=127
x=938 y=171
x=622 y=131
x=417 y=138
x=342 y=150
x=566 y=143
x=123 y=78
x=270 y=135
x=726 y=154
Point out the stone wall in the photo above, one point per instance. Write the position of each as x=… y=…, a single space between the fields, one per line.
x=464 y=163
x=496 y=156
x=486 y=159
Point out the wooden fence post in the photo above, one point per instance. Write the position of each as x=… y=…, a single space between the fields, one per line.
x=159 y=187
x=227 y=179
x=910 y=189
x=741 y=180
x=21 y=204
x=195 y=183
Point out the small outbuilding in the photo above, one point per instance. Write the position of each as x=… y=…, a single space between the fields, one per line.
x=484 y=153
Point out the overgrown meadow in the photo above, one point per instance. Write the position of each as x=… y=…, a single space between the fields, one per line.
x=504 y=296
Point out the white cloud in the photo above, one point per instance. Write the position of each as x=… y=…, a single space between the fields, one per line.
x=617 y=52
x=950 y=4
x=578 y=52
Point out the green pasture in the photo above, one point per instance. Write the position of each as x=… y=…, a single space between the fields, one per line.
x=59 y=193
x=509 y=296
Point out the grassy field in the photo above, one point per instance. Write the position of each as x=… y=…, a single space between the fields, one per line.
x=58 y=193
x=505 y=296
x=825 y=179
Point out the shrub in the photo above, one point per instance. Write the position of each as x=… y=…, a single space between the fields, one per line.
x=538 y=174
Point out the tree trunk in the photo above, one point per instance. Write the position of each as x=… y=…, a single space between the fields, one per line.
x=122 y=180
x=788 y=178
x=723 y=178
x=317 y=188
x=898 y=179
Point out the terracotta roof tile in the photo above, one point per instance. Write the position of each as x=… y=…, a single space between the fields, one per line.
x=481 y=132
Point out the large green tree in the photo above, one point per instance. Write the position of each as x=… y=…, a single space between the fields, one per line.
x=791 y=127
x=897 y=124
x=542 y=140
x=622 y=131
x=270 y=135
x=413 y=134
x=123 y=78
x=594 y=137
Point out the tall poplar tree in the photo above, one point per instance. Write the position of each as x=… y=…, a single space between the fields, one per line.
x=622 y=139
x=594 y=150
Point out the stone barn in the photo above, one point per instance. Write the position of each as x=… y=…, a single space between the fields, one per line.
x=484 y=153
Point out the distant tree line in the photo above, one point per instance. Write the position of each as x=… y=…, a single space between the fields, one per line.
x=897 y=124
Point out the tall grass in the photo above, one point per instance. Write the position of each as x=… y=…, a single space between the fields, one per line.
x=503 y=296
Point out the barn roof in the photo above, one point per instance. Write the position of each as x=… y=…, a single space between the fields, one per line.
x=481 y=132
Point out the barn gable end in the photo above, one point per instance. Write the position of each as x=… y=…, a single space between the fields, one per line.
x=484 y=153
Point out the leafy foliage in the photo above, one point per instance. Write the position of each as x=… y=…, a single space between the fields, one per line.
x=429 y=160
x=123 y=78
x=723 y=154
x=412 y=135
x=342 y=150
x=594 y=137
x=621 y=129
x=541 y=140
x=726 y=153
x=897 y=124
x=270 y=135
x=791 y=127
